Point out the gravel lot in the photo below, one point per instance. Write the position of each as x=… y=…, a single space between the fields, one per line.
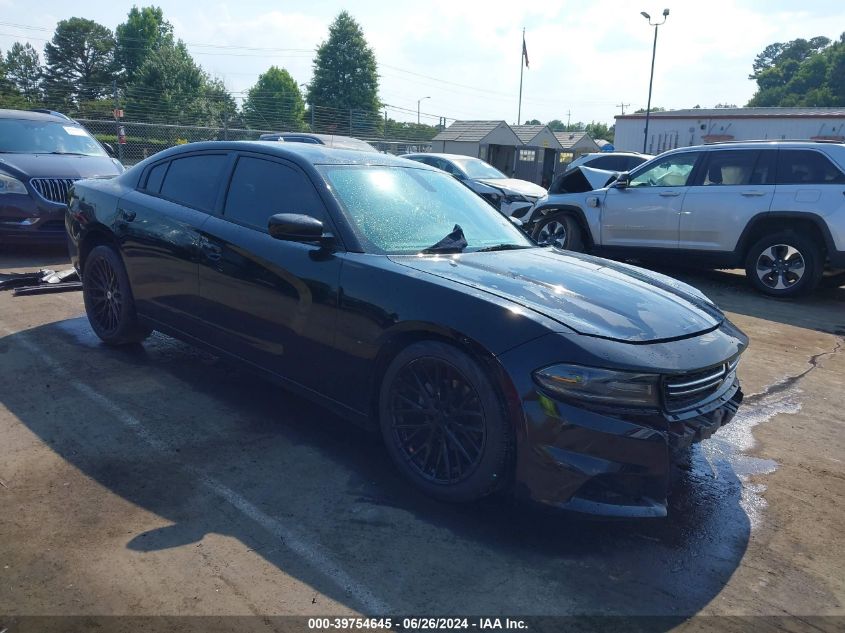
x=163 y=481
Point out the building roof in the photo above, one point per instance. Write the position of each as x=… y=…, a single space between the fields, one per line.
x=732 y=113
x=571 y=139
x=469 y=131
x=527 y=132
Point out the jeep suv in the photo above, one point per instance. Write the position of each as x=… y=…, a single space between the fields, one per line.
x=41 y=155
x=775 y=208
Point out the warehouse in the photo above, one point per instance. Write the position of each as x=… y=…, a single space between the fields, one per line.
x=682 y=128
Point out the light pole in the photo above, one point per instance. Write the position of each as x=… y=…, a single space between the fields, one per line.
x=418 y=108
x=651 y=78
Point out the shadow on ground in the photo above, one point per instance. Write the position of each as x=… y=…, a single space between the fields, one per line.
x=202 y=420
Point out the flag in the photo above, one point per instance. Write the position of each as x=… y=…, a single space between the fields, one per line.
x=524 y=50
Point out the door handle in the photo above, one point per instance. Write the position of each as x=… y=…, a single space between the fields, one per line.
x=750 y=194
x=212 y=251
x=128 y=214
x=670 y=194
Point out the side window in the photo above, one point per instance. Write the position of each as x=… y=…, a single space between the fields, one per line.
x=799 y=167
x=672 y=171
x=155 y=177
x=629 y=162
x=450 y=168
x=610 y=163
x=193 y=180
x=764 y=170
x=261 y=188
x=731 y=167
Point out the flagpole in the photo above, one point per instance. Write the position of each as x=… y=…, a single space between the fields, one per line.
x=521 y=69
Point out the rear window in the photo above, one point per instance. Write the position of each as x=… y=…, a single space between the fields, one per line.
x=807 y=167
x=155 y=178
x=194 y=180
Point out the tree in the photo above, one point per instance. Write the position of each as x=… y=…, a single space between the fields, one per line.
x=533 y=122
x=800 y=73
x=274 y=102
x=345 y=74
x=166 y=87
x=600 y=131
x=144 y=31
x=23 y=70
x=80 y=62
x=653 y=109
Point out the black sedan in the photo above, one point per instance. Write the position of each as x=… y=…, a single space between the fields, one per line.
x=391 y=293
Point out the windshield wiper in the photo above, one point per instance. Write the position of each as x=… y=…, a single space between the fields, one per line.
x=502 y=247
x=63 y=153
x=454 y=242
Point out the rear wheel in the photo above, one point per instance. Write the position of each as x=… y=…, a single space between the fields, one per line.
x=108 y=299
x=784 y=264
x=443 y=424
x=562 y=231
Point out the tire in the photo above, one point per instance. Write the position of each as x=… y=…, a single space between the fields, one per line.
x=560 y=230
x=467 y=455
x=784 y=264
x=108 y=299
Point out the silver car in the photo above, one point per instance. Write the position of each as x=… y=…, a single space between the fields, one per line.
x=775 y=208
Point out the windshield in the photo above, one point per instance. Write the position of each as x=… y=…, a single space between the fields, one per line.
x=476 y=168
x=401 y=210
x=23 y=136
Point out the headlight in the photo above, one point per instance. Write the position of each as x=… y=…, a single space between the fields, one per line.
x=600 y=386
x=8 y=184
x=515 y=197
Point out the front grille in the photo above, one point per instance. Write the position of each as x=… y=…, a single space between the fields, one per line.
x=54 y=189
x=683 y=391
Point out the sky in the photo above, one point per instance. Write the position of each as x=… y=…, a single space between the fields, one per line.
x=586 y=57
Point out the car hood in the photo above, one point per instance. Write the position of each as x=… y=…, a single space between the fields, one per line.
x=58 y=165
x=589 y=295
x=514 y=185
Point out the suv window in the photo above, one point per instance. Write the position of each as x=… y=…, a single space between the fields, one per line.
x=193 y=180
x=728 y=167
x=799 y=167
x=261 y=188
x=672 y=171
x=610 y=163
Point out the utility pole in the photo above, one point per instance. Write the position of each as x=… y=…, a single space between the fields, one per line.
x=623 y=106
x=568 y=113
x=651 y=76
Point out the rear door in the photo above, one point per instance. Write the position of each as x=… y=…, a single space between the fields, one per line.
x=158 y=225
x=270 y=301
x=808 y=182
x=732 y=186
x=646 y=214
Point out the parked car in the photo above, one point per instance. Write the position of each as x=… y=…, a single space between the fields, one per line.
x=608 y=161
x=773 y=207
x=41 y=155
x=389 y=292
x=511 y=196
x=329 y=140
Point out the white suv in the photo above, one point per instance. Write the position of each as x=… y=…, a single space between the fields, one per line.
x=775 y=207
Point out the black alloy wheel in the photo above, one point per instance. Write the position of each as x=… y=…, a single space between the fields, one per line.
x=443 y=423
x=108 y=298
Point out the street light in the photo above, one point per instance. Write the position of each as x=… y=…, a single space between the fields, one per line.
x=418 y=108
x=651 y=78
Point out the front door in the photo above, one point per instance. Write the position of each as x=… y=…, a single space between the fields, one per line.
x=269 y=301
x=646 y=213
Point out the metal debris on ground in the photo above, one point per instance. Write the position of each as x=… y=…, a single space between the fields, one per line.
x=41 y=282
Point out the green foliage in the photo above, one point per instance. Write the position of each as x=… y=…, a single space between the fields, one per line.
x=600 y=131
x=144 y=31
x=533 y=122
x=274 y=102
x=345 y=73
x=80 y=63
x=23 y=70
x=800 y=73
x=653 y=109
x=407 y=131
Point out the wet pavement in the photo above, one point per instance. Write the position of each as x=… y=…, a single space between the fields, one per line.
x=162 y=480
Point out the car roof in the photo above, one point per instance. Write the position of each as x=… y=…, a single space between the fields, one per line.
x=446 y=156
x=761 y=144
x=29 y=115
x=303 y=153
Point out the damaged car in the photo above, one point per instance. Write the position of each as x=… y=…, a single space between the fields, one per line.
x=511 y=196
x=388 y=292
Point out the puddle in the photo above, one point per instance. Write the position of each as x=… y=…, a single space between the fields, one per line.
x=728 y=448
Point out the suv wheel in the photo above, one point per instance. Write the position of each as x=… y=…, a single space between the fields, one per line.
x=784 y=264
x=562 y=231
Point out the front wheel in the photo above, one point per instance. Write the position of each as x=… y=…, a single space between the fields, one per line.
x=784 y=264
x=443 y=424
x=562 y=231
x=108 y=299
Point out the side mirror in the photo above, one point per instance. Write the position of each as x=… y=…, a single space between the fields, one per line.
x=295 y=227
x=109 y=149
x=622 y=181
